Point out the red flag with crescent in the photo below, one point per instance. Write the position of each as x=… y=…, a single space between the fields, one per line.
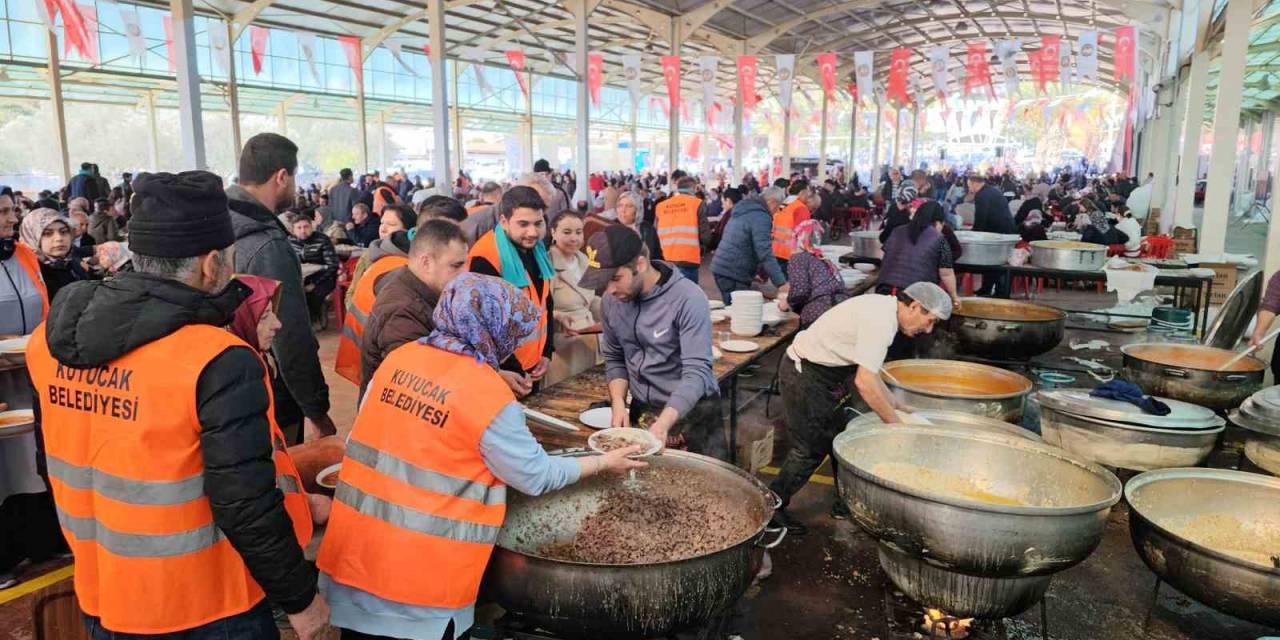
x=76 y=30
x=747 y=81
x=978 y=69
x=853 y=91
x=1126 y=38
x=1036 y=60
x=899 y=63
x=1050 y=47
x=167 y=21
x=515 y=60
x=351 y=47
x=671 y=73
x=258 y=46
x=827 y=68
x=595 y=76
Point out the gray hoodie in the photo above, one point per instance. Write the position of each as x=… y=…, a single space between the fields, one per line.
x=262 y=249
x=661 y=343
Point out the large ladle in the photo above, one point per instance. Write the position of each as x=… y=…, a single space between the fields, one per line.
x=1244 y=354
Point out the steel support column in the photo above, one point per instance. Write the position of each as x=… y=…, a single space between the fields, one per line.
x=739 y=115
x=458 y=153
x=875 y=149
x=439 y=95
x=915 y=134
x=786 y=141
x=821 y=174
x=233 y=93
x=190 y=112
x=897 y=137
x=673 y=131
x=282 y=121
x=362 y=124
x=851 y=170
x=528 y=123
x=1189 y=161
x=383 y=162
x=580 y=44
x=153 y=131
x=1271 y=261
x=1226 y=126
x=59 y=109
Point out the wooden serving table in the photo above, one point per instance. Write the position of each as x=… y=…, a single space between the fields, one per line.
x=569 y=397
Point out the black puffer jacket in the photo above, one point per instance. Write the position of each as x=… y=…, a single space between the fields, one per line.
x=317 y=249
x=96 y=322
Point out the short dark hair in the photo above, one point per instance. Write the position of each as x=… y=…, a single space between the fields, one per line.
x=443 y=207
x=782 y=183
x=345 y=174
x=732 y=195
x=520 y=198
x=265 y=154
x=405 y=213
x=677 y=174
x=685 y=182
x=435 y=234
x=798 y=187
x=565 y=215
x=86 y=166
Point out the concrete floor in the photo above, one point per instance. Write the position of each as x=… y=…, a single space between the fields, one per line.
x=828 y=584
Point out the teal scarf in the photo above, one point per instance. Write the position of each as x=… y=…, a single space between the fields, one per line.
x=512 y=268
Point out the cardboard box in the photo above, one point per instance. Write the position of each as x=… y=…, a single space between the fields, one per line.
x=755 y=446
x=1184 y=240
x=1224 y=280
x=1151 y=226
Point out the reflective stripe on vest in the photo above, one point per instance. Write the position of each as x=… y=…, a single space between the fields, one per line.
x=26 y=257
x=677 y=226
x=529 y=351
x=417 y=511
x=784 y=238
x=127 y=475
x=347 y=362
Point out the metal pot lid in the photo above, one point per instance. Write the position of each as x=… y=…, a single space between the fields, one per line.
x=1247 y=422
x=1267 y=402
x=1184 y=415
x=1242 y=303
x=1261 y=420
x=986 y=237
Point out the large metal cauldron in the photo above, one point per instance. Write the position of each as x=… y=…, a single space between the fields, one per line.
x=633 y=601
x=1004 y=329
x=952 y=419
x=975 y=524
x=1067 y=255
x=866 y=244
x=1184 y=523
x=954 y=385
x=1190 y=373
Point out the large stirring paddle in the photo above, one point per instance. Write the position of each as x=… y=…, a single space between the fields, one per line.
x=1244 y=354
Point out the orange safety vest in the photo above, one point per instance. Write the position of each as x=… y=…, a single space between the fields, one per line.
x=678 y=228
x=529 y=352
x=417 y=512
x=347 y=363
x=125 y=467
x=784 y=229
x=31 y=264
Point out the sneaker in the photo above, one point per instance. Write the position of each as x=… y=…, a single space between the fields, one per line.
x=794 y=527
x=839 y=511
x=8 y=580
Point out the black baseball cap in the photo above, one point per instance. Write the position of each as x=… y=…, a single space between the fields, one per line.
x=616 y=246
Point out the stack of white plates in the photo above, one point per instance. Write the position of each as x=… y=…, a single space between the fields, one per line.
x=852 y=277
x=748 y=313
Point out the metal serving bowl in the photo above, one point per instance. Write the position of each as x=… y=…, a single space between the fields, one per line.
x=1008 y=328
x=866 y=244
x=954 y=385
x=1166 y=505
x=951 y=419
x=1190 y=373
x=1067 y=255
x=623 y=601
x=985 y=248
x=988 y=552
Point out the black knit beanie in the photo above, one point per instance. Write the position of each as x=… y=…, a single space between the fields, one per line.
x=179 y=215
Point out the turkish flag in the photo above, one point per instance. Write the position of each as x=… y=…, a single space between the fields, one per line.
x=168 y=43
x=1050 y=47
x=978 y=69
x=899 y=63
x=693 y=148
x=355 y=58
x=595 y=76
x=747 y=81
x=258 y=46
x=827 y=68
x=1126 y=44
x=671 y=72
x=515 y=59
x=1036 y=60
x=76 y=30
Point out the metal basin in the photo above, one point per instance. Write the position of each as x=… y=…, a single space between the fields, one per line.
x=1190 y=373
x=954 y=385
x=1126 y=446
x=1005 y=328
x=972 y=523
x=866 y=244
x=1067 y=255
x=951 y=419
x=1210 y=533
x=625 y=601
x=985 y=248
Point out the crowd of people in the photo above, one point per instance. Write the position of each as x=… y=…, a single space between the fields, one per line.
x=463 y=301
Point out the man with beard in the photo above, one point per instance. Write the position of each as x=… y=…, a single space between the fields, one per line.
x=657 y=344
x=267 y=166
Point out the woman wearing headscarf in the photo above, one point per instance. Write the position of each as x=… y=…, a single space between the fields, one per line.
x=256 y=323
x=919 y=252
x=899 y=212
x=627 y=213
x=1032 y=227
x=49 y=235
x=423 y=487
x=1099 y=230
x=815 y=282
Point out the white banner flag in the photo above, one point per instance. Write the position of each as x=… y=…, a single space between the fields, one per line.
x=707 y=64
x=132 y=27
x=481 y=81
x=786 y=65
x=307 y=45
x=1007 y=52
x=939 y=58
x=396 y=48
x=862 y=72
x=917 y=89
x=1064 y=65
x=631 y=71
x=220 y=50
x=1087 y=56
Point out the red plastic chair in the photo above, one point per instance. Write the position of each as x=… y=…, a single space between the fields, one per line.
x=1160 y=246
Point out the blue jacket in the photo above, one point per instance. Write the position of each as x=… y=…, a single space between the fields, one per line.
x=747 y=245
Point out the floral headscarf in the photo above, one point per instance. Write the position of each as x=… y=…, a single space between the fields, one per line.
x=112 y=255
x=809 y=236
x=244 y=323
x=33 y=226
x=483 y=317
